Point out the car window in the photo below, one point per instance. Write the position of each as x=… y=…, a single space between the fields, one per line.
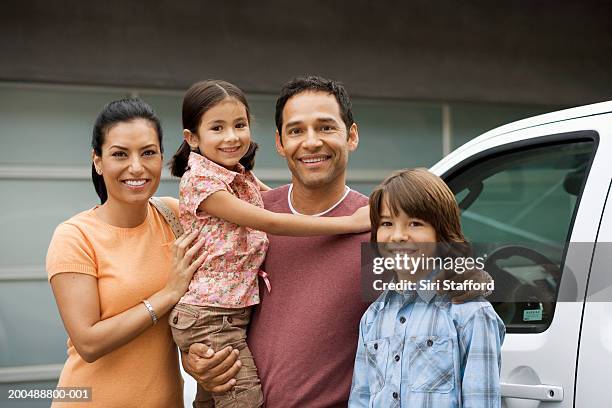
x=517 y=209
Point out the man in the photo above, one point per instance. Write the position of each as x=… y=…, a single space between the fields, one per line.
x=304 y=333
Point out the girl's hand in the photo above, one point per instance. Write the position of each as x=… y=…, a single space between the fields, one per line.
x=183 y=264
x=361 y=219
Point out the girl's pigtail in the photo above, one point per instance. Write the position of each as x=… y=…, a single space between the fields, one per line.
x=178 y=164
x=248 y=160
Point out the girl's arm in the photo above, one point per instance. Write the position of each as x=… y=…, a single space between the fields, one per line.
x=78 y=302
x=222 y=204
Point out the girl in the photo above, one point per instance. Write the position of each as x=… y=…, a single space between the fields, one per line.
x=220 y=195
x=114 y=271
x=416 y=348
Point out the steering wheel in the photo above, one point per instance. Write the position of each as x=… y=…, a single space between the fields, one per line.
x=511 y=296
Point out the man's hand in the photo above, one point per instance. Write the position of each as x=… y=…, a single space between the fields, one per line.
x=459 y=296
x=214 y=372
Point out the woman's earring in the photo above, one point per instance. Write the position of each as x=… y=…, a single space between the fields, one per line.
x=98 y=171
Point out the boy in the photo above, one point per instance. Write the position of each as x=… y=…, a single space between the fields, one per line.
x=416 y=349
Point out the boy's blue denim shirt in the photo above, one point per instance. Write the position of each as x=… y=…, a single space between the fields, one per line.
x=417 y=349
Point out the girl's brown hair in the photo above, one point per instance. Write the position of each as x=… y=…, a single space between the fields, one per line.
x=198 y=99
x=421 y=194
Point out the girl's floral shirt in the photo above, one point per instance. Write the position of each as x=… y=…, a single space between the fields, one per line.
x=228 y=277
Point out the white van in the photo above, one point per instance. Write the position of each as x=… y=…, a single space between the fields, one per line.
x=536 y=194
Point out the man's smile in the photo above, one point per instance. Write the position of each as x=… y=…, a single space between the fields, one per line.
x=314 y=160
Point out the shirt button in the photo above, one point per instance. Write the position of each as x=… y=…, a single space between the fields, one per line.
x=429 y=342
x=402 y=320
x=397 y=357
x=375 y=346
x=395 y=395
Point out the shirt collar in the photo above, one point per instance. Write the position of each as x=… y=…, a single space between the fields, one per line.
x=347 y=190
x=202 y=164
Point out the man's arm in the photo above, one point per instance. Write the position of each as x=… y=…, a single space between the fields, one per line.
x=480 y=341
x=214 y=372
x=477 y=275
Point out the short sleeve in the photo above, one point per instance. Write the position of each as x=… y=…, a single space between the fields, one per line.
x=70 y=251
x=198 y=188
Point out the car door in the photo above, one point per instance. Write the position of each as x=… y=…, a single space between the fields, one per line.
x=593 y=379
x=531 y=204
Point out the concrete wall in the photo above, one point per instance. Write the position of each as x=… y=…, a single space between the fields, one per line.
x=526 y=52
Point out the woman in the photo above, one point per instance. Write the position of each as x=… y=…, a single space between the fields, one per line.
x=116 y=271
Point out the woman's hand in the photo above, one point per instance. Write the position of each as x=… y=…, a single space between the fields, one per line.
x=361 y=219
x=183 y=265
x=78 y=301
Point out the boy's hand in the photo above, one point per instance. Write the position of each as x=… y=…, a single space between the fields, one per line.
x=214 y=372
x=460 y=296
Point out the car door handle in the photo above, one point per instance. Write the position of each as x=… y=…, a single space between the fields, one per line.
x=540 y=392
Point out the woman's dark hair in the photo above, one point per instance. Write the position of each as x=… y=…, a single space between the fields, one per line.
x=113 y=113
x=199 y=98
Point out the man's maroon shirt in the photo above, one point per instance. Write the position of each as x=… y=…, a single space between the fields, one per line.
x=304 y=333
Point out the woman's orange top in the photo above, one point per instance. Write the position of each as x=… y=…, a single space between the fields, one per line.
x=130 y=265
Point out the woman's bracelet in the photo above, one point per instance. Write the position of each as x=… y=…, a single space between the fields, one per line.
x=151 y=311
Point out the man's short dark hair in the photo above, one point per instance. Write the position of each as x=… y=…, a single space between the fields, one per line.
x=314 y=83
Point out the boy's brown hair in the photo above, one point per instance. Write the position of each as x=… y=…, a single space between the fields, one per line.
x=420 y=194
